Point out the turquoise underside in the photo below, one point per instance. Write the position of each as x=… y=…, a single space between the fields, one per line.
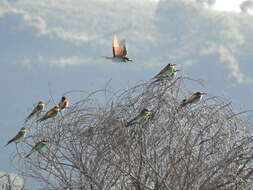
x=22 y=133
x=118 y=59
x=169 y=71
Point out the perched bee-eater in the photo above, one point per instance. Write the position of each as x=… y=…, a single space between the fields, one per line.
x=63 y=103
x=21 y=134
x=37 y=147
x=168 y=72
x=174 y=73
x=50 y=113
x=120 y=118
x=119 y=51
x=141 y=118
x=195 y=98
x=36 y=110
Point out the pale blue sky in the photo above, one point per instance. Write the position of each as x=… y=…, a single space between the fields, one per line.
x=50 y=47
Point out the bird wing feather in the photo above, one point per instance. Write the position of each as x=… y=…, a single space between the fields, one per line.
x=50 y=112
x=32 y=113
x=165 y=69
x=191 y=98
x=115 y=46
x=122 y=47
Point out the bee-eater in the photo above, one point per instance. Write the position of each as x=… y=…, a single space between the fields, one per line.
x=37 y=147
x=63 y=103
x=141 y=118
x=21 y=134
x=36 y=110
x=120 y=118
x=50 y=113
x=119 y=51
x=194 y=98
x=174 y=73
x=168 y=72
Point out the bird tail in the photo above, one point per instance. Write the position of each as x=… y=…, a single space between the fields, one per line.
x=130 y=123
x=39 y=120
x=29 y=154
x=157 y=80
x=10 y=141
x=6 y=144
x=153 y=82
x=29 y=116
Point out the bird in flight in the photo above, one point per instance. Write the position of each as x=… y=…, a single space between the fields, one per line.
x=119 y=51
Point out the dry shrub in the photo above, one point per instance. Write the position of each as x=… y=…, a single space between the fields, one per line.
x=204 y=146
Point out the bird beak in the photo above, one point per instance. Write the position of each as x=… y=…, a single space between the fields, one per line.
x=203 y=93
x=177 y=70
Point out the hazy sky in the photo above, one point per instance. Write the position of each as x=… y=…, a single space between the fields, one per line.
x=44 y=47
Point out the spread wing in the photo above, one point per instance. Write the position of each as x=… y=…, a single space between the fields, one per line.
x=122 y=47
x=115 y=46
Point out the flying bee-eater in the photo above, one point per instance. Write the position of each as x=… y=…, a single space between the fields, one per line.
x=193 y=99
x=168 y=72
x=19 y=136
x=50 y=113
x=63 y=103
x=37 y=147
x=36 y=110
x=119 y=51
x=141 y=118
